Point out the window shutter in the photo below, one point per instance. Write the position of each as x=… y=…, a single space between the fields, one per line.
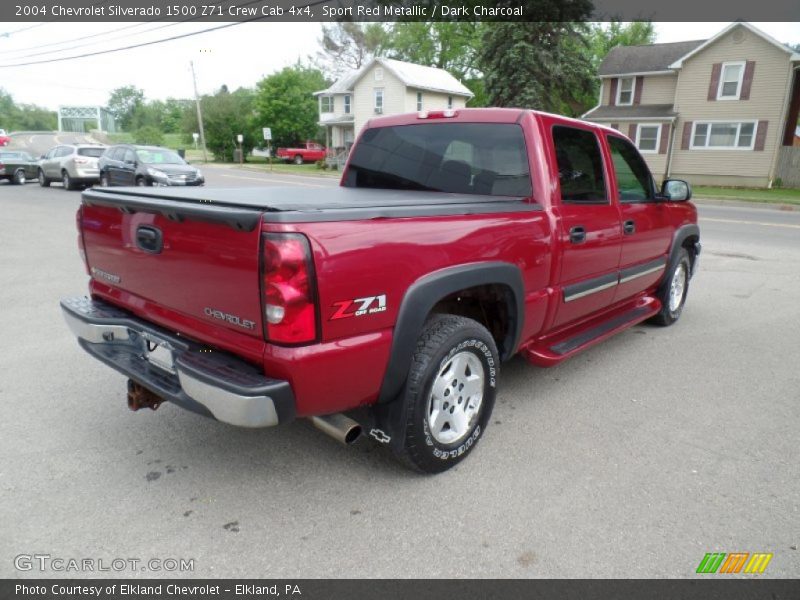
x=687 y=135
x=632 y=132
x=612 y=99
x=761 y=135
x=747 y=81
x=665 y=131
x=637 y=94
x=713 y=86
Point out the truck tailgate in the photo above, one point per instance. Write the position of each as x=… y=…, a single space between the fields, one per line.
x=196 y=258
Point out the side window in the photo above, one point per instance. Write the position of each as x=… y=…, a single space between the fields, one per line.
x=634 y=180
x=580 y=166
x=129 y=156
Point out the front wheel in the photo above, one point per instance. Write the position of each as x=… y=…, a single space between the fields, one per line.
x=449 y=394
x=298 y=160
x=19 y=177
x=141 y=182
x=66 y=180
x=673 y=290
x=43 y=181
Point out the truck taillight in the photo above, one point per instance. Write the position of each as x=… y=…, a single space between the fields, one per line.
x=81 y=245
x=289 y=294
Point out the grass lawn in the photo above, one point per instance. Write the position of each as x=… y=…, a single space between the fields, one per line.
x=261 y=164
x=775 y=196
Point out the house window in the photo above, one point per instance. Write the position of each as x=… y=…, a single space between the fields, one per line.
x=378 y=101
x=419 y=101
x=378 y=74
x=347 y=105
x=648 y=138
x=449 y=102
x=730 y=81
x=724 y=135
x=327 y=104
x=625 y=91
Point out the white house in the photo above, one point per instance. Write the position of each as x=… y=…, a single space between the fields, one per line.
x=383 y=87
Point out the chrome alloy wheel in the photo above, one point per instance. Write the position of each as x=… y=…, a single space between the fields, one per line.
x=677 y=287
x=455 y=398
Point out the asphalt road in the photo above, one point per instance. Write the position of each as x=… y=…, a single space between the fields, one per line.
x=633 y=459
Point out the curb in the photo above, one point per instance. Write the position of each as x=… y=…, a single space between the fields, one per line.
x=747 y=204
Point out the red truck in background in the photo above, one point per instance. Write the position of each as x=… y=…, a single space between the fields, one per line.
x=308 y=152
x=456 y=240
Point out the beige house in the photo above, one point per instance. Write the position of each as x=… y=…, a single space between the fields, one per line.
x=384 y=87
x=714 y=112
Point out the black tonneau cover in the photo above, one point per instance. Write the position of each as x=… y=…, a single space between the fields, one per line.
x=244 y=207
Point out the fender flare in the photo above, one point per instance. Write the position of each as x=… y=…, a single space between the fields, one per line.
x=678 y=238
x=423 y=295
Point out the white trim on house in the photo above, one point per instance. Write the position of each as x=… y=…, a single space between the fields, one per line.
x=658 y=137
x=735 y=146
x=632 y=119
x=599 y=100
x=619 y=91
x=794 y=55
x=637 y=74
x=742 y=64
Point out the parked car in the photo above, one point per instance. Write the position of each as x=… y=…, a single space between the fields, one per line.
x=456 y=240
x=5 y=139
x=17 y=167
x=74 y=165
x=146 y=165
x=308 y=152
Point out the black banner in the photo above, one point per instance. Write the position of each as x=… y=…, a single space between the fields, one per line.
x=387 y=10
x=406 y=589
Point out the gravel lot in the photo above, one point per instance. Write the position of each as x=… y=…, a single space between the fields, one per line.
x=631 y=460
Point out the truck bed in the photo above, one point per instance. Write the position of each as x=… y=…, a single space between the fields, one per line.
x=243 y=208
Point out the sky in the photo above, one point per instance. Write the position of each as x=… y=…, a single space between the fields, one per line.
x=235 y=56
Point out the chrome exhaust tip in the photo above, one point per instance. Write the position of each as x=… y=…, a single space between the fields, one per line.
x=341 y=428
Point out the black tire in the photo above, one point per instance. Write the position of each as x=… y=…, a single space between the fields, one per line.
x=298 y=160
x=443 y=339
x=66 y=180
x=669 y=314
x=141 y=182
x=104 y=180
x=43 y=181
x=19 y=177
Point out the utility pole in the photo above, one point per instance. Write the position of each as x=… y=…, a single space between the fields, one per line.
x=199 y=114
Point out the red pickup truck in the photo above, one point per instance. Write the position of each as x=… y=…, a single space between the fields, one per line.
x=308 y=152
x=456 y=240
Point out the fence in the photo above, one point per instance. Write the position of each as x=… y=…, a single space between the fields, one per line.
x=788 y=168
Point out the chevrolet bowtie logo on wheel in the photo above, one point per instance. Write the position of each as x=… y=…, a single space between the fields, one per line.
x=734 y=562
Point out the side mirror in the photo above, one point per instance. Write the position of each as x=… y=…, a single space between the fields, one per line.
x=676 y=190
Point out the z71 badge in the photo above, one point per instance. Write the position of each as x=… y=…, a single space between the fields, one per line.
x=359 y=307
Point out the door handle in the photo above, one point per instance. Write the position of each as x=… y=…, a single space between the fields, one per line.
x=628 y=227
x=149 y=239
x=577 y=234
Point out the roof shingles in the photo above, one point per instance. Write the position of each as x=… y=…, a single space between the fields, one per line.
x=644 y=59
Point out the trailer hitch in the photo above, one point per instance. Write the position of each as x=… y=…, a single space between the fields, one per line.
x=140 y=397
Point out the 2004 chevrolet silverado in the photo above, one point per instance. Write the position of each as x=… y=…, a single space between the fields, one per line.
x=456 y=240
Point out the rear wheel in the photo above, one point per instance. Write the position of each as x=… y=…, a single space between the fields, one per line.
x=66 y=180
x=449 y=393
x=43 y=181
x=19 y=177
x=298 y=160
x=673 y=290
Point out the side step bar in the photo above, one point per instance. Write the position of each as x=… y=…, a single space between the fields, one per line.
x=550 y=352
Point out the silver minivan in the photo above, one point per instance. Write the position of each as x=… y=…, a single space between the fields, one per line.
x=74 y=165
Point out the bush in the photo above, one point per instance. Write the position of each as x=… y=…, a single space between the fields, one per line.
x=149 y=135
x=321 y=164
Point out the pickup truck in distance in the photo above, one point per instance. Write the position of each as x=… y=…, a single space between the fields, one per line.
x=455 y=240
x=308 y=152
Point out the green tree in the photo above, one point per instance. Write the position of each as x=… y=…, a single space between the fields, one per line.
x=225 y=115
x=149 y=135
x=347 y=45
x=22 y=117
x=542 y=65
x=605 y=36
x=123 y=103
x=284 y=101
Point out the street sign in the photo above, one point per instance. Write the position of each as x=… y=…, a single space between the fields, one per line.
x=267 y=133
x=196 y=137
x=240 y=138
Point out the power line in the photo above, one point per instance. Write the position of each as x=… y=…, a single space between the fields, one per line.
x=10 y=33
x=86 y=37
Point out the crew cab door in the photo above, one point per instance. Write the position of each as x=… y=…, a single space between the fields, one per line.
x=646 y=228
x=589 y=230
